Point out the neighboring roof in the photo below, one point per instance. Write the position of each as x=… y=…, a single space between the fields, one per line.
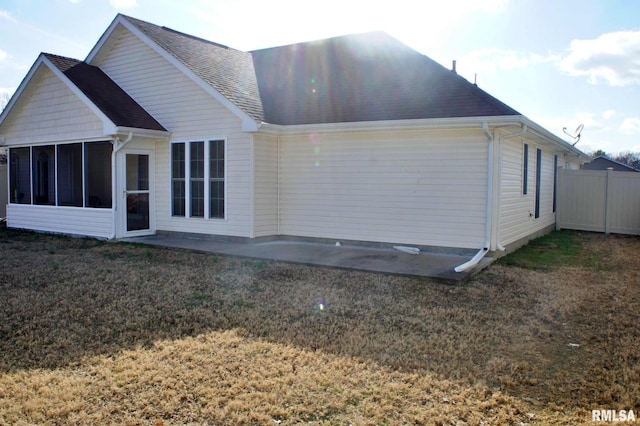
x=227 y=70
x=603 y=163
x=114 y=102
x=363 y=77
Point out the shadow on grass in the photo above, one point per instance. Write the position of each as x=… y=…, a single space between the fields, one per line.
x=66 y=299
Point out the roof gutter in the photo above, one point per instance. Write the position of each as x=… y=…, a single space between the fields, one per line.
x=542 y=133
x=389 y=125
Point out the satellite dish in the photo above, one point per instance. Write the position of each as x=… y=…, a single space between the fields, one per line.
x=576 y=135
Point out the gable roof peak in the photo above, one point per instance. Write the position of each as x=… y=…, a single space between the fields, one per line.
x=370 y=76
x=225 y=73
x=140 y=22
x=120 y=108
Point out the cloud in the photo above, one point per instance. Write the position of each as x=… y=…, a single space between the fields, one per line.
x=608 y=114
x=3 y=55
x=7 y=90
x=488 y=61
x=630 y=126
x=7 y=16
x=123 y=4
x=612 y=58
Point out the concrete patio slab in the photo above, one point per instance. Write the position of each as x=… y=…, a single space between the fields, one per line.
x=382 y=260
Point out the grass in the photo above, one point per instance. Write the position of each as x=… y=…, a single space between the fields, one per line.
x=550 y=251
x=128 y=334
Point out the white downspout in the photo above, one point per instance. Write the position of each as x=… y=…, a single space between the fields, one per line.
x=487 y=242
x=522 y=131
x=490 y=204
x=114 y=197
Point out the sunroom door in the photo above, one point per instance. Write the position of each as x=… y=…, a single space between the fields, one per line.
x=137 y=215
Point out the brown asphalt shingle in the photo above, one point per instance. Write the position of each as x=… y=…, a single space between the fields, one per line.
x=363 y=77
x=227 y=70
x=114 y=102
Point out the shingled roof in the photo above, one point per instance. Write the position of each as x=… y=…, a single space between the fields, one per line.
x=227 y=70
x=363 y=77
x=114 y=102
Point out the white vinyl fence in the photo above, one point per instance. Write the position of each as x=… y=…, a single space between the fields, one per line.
x=601 y=201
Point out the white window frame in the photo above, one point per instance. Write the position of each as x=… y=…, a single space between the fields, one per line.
x=57 y=201
x=207 y=177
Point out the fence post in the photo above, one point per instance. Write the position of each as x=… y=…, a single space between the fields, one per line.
x=607 y=199
x=559 y=199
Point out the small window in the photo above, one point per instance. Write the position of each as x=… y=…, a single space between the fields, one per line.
x=70 y=175
x=538 y=181
x=525 y=169
x=98 y=174
x=44 y=175
x=20 y=175
x=178 y=184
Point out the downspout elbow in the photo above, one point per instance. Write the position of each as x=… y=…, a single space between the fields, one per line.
x=485 y=129
x=117 y=147
x=474 y=260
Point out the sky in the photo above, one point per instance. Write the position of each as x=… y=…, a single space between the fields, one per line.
x=561 y=63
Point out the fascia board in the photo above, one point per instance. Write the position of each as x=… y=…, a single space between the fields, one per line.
x=248 y=123
x=554 y=140
x=23 y=85
x=398 y=125
x=103 y=39
x=145 y=133
x=424 y=124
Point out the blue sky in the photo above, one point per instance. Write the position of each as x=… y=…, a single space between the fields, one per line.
x=561 y=63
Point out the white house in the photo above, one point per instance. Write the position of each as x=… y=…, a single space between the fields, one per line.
x=351 y=138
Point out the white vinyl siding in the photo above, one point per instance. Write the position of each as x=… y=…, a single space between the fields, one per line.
x=266 y=185
x=66 y=220
x=190 y=114
x=423 y=188
x=50 y=112
x=517 y=211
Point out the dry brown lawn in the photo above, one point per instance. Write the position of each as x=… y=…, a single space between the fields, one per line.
x=103 y=333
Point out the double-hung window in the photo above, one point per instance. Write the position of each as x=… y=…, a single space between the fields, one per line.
x=198 y=177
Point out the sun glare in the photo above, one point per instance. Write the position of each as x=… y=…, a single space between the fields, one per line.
x=282 y=22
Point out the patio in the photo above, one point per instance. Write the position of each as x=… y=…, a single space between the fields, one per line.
x=438 y=265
